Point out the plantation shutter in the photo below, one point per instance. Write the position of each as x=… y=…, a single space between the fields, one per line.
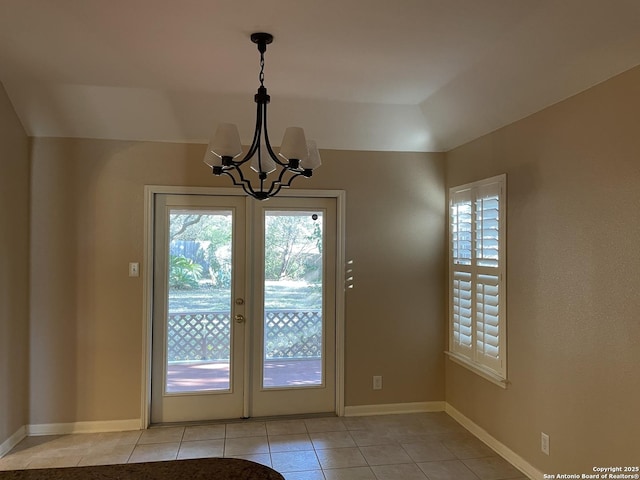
x=462 y=313
x=487 y=225
x=462 y=294
x=488 y=321
x=477 y=297
x=461 y=222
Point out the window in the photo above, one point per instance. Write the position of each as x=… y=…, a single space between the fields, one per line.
x=477 y=309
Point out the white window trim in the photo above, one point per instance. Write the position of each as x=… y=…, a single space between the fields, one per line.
x=498 y=377
x=478 y=369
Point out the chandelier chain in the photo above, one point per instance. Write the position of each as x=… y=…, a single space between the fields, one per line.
x=261 y=76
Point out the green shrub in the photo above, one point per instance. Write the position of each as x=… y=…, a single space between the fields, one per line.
x=184 y=273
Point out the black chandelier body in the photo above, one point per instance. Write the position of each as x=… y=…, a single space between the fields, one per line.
x=296 y=158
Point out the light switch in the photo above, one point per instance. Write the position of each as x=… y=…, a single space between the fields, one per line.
x=134 y=269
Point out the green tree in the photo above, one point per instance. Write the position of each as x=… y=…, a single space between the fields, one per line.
x=293 y=246
x=213 y=231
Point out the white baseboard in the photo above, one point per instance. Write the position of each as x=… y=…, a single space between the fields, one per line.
x=84 y=427
x=12 y=441
x=393 y=408
x=500 y=448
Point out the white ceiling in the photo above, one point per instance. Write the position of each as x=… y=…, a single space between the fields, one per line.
x=400 y=75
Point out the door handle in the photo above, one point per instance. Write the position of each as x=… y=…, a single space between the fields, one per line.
x=239 y=318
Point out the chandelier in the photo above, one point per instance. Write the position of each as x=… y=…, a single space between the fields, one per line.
x=297 y=156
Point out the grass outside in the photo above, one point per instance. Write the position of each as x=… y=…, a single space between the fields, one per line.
x=278 y=295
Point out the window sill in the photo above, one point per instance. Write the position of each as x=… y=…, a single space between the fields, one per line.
x=478 y=370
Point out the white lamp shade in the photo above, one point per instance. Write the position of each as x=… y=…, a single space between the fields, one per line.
x=312 y=160
x=211 y=158
x=226 y=141
x=268 y=165
x=294 y=144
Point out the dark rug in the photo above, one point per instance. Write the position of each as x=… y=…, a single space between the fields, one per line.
x=197 y=469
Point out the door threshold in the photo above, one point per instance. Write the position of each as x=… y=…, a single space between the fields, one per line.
x=276 y=418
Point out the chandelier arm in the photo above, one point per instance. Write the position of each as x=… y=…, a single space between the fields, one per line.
x=262 y=178
x=295 y=175
x=243 y=182
x=246 y=184
x=273 y=191
x=229 y=173
x=249 y=190
x=255 y=143
x=267 y=142
x=277 y=184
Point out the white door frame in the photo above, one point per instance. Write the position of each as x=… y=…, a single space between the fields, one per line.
x=147 y=280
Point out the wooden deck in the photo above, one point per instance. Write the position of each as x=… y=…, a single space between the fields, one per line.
x=203 y=376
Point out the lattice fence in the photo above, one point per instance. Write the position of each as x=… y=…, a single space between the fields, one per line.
x=293 y=334
x=198 y=336
x=204 y=336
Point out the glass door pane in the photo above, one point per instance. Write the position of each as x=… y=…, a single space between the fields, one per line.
x=293 y=299
x=198 y=337
x=198 y=334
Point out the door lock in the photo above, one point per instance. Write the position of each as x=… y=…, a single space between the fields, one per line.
x=239 y=318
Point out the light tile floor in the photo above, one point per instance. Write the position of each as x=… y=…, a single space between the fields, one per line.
x=422 y=446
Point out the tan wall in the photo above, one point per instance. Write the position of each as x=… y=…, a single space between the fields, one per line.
x=87 y=224
x=14 y=261
x=573 y=283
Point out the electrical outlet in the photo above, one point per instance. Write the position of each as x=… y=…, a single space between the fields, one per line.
x=377 y=382
x=544 y=443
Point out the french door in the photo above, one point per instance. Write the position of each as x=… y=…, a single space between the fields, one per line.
x=243 y=307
